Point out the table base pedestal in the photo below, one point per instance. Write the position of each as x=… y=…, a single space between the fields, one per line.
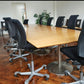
x=54 y=68
x=42 y=52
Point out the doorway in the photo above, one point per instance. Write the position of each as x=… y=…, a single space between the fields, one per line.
x=19 y=11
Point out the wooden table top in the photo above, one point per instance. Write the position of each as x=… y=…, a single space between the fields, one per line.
x=45 y=36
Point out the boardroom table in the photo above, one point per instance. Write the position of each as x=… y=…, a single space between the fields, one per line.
x=42 y=36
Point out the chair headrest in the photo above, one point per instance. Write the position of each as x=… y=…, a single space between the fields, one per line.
x=6 y=18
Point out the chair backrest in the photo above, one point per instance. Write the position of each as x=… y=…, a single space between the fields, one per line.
x=72 y=21
x=21 y=34
x=78 y=22
x=49 y=21
x=81 y=42
x=40 y=21
x=60 y=21
x=10 y=27
x=25 y=21
x=6 y=26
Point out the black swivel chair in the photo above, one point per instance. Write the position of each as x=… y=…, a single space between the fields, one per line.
x=76 y=53
x=72 y=21
x=25 y=21
x=12 y=25
x=49 y=21
x=60 y=21
x=23 y=44
x=11 y=32
x=13 y=35
x=6 y=25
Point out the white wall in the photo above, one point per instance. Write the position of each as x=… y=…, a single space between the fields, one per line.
x=5 y=10
x=67 y=8
x=18 y=11
x=38 y=7
x=32 y=7
x=57 y=8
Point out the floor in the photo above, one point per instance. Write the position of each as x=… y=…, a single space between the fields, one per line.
x=7 y=69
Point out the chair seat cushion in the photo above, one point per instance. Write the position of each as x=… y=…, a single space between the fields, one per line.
x=29 y=47
x=72 y=53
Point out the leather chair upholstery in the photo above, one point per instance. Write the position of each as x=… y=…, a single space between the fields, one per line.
x=72 y=21
x=25 y=21
x=60 y=21
x=22 y=42
x=12 y=35
x=49 y=21
x=10 y=28
x=76 y=53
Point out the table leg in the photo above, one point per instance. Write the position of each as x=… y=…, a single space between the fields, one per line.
x=59 y=54
x=59 y=67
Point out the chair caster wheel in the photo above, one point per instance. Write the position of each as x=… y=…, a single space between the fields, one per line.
x=11 y=55
x=28 y=65
x=26 y=60
x=66 y=73
x=7 y=44
x=10 y=60
x=4 y=47
x=46 y=78
x=15 y=75
x=7 y=50
x=63 y=83
x=45 y=67
x=13 y=52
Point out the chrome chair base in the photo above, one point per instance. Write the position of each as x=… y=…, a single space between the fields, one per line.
x=78 y=81
x=33 y=72
x=18 y=56
x=12 y=49
x=10 y=43
x=68 y=73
